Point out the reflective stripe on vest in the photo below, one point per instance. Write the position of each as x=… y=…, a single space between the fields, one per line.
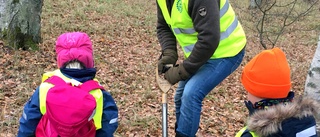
x=232 y=36
x=44 y=88
x=244 y=130
x=223 y=35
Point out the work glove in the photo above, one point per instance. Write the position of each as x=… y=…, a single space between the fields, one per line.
x=168 y=56
x=176 y=73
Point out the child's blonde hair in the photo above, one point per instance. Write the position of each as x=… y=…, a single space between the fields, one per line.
x=74 y=65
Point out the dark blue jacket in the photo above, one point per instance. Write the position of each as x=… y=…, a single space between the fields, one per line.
x=31 y=113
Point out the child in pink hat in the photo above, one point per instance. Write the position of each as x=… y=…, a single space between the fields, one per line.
x=75 y=62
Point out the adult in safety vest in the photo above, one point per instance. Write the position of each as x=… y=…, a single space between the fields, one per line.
x=75 y=63
x=213 y=43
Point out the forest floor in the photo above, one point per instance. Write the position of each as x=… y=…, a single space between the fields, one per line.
x=126 y=52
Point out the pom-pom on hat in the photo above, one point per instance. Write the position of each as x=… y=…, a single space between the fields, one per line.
x=72 y=46
x=267 y=75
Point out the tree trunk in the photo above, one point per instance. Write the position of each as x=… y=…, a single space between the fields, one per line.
x=2 y=14
x=20 y=23
x=254 y=3
x=312 y=86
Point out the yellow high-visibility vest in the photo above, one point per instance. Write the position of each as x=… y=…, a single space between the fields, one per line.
x=232 y=36
x=239 y=134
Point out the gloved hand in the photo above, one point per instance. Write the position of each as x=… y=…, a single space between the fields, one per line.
x=169 y=56
x=176 y=73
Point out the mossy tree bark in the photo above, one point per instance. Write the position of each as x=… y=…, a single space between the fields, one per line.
x=312 y=86
x=20 y=23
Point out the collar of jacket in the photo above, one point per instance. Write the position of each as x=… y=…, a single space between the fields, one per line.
x=269 y=121
x=81 y=75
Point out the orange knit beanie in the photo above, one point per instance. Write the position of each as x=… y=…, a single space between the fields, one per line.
x=267 y=75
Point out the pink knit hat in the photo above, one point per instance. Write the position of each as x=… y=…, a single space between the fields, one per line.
x=74 y=46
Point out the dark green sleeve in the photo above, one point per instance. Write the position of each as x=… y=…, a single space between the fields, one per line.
x=208 y=28
x=165 y=36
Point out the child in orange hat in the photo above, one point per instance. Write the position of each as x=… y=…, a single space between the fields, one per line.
x=273 y=111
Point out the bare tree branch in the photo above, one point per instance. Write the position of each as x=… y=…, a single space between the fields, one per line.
x=274 y=17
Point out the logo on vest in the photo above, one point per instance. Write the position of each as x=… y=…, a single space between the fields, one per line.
x=203 y=11
x=179 y=6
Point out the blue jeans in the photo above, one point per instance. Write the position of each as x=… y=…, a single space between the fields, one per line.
x=190 y=93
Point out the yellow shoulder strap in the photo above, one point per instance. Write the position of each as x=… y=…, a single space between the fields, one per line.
x=97 y=118
x=239 y=134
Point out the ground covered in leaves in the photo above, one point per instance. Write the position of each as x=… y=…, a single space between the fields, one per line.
x=126 y=51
